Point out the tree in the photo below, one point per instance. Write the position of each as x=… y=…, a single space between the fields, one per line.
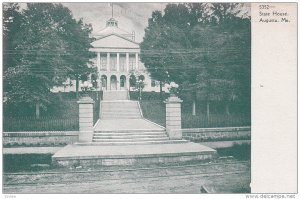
x=137 y=80
x=12 y=20
x=200 y=47
x=44 y=53
x=79 y=43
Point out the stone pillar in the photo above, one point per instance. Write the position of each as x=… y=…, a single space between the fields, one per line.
x=86 y=129
x=118 y=62
x=127 y=62
x=98 y=61
x=136 y=61
x=118 y=82
x=108 y=83
x=173 y=117
x=107 y=61
x=127 y=82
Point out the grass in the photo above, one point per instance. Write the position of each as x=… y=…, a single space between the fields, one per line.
x=24 y=162
x=156 y=112
x=215 y=120
x=59 y=116
x=239 y=151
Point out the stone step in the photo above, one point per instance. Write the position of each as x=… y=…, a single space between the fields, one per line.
x=121 y=111
x=140 y=154
x=129 y=139
x=139 y=142
x=110 y=103
x=115 y=95
x=120 y=102
x=116 y=115
x=119 y=108
x=123 y=107
x=130 y=131
x=120 y=117
x=100 y=136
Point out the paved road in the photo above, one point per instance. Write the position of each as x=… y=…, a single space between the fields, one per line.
x=219 y=178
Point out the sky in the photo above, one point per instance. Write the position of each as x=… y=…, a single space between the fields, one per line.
x=131 y=16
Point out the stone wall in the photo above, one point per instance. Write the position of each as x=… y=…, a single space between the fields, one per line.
x=216 y=134
x=43 y=138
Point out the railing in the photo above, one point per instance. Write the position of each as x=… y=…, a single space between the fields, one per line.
x=214 y=120
x=42 y=124
x=66 y=121
x=154 y=110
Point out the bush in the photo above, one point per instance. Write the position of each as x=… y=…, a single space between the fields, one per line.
x=134 y=95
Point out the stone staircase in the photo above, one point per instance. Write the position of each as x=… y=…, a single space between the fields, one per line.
x=120 y=110
x=115 y=95
x=116 y=108
x=123 y=137
x=129 y=137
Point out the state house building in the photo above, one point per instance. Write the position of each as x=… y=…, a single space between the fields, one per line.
x=117 y=57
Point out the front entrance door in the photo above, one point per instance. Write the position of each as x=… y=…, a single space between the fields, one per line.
x=113 y=82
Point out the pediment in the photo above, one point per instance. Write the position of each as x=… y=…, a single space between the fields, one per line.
x=114 y=41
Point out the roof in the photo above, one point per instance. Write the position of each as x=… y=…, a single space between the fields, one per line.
x=114 y=41
x=112 y=28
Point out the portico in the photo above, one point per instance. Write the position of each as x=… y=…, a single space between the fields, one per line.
x=116 y=58
x=114 y=69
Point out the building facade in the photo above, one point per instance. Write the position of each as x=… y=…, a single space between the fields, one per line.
x=117 y=59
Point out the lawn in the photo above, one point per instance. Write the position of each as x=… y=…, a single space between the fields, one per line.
x=156 y=112
x=59 y=116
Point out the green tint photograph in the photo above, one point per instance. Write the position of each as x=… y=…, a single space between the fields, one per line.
x=119 y=98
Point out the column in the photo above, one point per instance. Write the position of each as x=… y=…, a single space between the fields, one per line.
x=118 y=82
x=127 y=82
x=99 y=70
x=173 y=117
x=118 y=62
x=98 y=61
x=136 y=61
x=127 y=62
x=107 y=61
x=86 y=129
x=108 y=83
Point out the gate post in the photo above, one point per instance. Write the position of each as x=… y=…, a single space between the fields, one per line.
x=86 y=129
x=173 y=117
